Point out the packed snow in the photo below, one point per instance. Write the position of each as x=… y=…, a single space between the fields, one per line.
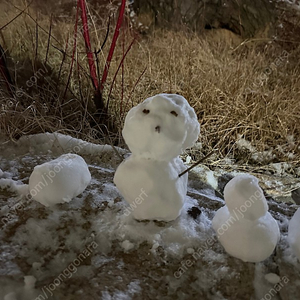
x=157 y=131
x=161 y=127
x=294 y=233
x=244 y=226
x=93 y=248
x=59 y=180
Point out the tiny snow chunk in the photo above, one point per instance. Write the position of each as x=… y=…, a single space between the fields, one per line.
x=188 y=159
x=127 y=245
x=36 y=265
x=155 y=246
x=59 y=180
x=272 y=278
x=157 y=236
x=29 y=282
x=190 y=250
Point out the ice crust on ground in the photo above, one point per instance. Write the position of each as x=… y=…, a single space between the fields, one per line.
x=294 y=233
x=157 y=131
x=57 y=142
x=244 y=226
x=132 y=259
x=59 y=180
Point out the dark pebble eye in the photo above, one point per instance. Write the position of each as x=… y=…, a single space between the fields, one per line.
x=146 y=111
x=173 y=112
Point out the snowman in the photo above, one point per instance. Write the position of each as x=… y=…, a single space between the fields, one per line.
x=156 y=131
x=244 y=226
x=294 y=233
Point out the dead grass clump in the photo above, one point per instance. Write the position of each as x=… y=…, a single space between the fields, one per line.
x=241 y=90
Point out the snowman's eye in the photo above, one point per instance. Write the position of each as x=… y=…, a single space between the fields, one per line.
x=173 y=112
x=146 y=111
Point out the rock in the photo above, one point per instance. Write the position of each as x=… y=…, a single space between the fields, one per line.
x=296 y=196
x=194 y=212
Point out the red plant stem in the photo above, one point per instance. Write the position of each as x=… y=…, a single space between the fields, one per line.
x=113 y=45
x=123 y=52
x=87 y=40
x=120 y=64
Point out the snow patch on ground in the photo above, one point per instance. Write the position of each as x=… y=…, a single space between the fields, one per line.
x=90 y=247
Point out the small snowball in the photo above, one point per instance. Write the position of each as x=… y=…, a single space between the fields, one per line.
x=188 y=159
x=59 y=180
x=155 y=246
x=36 y=265
x=272 y=278
x=127 y=245
x=190 y=250
x=157 y=236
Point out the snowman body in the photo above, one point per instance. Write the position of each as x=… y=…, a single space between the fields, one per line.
x=158 y=193
x=156 y=131
x=244 y=226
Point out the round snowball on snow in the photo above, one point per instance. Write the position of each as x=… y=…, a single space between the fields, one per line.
x=294 y=233
x=59 y=180
x=245 y=231
x=156 y=131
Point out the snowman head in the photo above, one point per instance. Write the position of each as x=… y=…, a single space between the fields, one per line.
x=161 y=127
x=242 y=193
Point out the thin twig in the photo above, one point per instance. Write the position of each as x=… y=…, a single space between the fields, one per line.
x=63 y=58
x=74 y=50
x=116 y=73
x=197 y=163
x=122 y=73
x=36 y=43
x=26 y=13
x=49 y=38
x=131 y=92
x=19 y=14
x=106 y=36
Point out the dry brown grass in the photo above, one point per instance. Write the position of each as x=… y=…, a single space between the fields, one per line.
x=238 y=88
